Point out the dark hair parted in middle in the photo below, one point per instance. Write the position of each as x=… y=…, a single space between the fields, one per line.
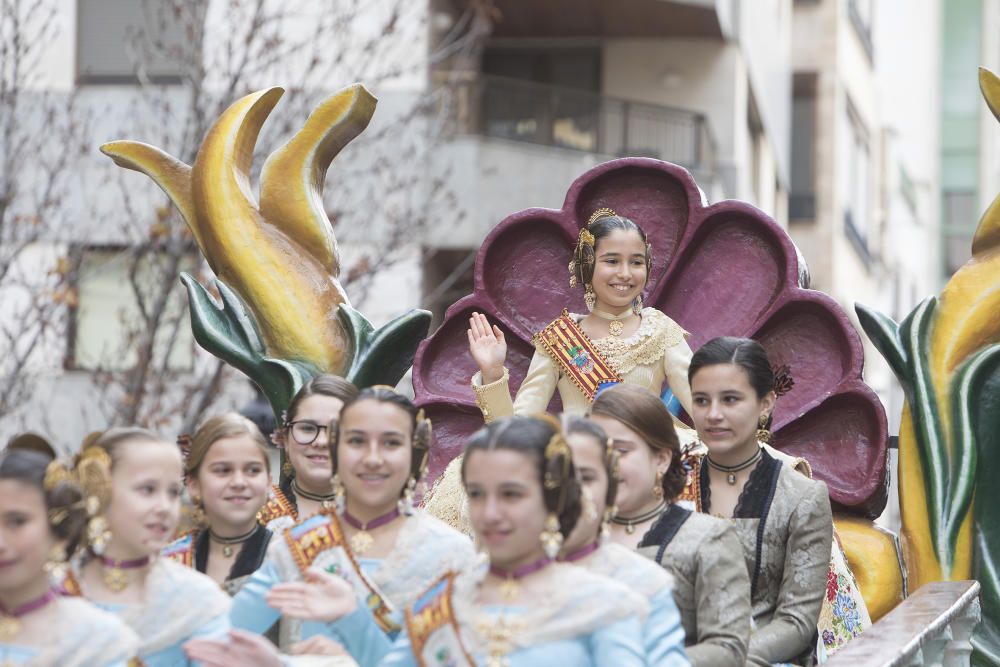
x=746 y=353
x=584 y=255
x=643 y=412
x=531 y=436
x=420 y=433
x=63 y=496
x=573 y=425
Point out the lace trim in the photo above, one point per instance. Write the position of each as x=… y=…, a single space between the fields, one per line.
x=646 y=346
x=402 y=577
x=578 y=604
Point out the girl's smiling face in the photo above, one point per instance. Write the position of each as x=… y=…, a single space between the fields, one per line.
x=145 y=506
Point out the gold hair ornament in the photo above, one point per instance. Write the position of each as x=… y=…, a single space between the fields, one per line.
x=57 y=473
x=597 y=215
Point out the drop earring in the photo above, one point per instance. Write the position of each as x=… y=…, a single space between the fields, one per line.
x=763 y=434
x=552 y=538
x=339 y=493
x=406 y=504
x=589 y=297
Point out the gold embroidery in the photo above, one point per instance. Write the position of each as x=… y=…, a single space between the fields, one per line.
x=646 y=346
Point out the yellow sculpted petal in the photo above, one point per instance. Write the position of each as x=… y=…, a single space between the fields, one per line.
x=871 y=554
x=292 y=294
x=291 y=182
x=967 y=312
x=172 y=175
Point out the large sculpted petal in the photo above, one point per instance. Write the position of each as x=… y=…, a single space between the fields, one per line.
x=726 y=269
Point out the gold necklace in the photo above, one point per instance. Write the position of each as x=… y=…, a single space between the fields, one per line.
x=114 y=571
x=615 y=322
x=229 y=543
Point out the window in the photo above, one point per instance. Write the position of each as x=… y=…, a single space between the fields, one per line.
x=448 y=276
x=118 y=38
x=107 y=318
x=855 y=178
x=959 y=209
x=543 y=96
x=802 y=197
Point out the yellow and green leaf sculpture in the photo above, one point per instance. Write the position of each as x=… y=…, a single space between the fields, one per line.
x=284 y=315
x=946 y=354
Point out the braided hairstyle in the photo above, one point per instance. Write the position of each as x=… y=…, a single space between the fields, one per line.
x=540 y=438
x=421 y=434
x=63 y=496
x=602 y=223
x=643 y=412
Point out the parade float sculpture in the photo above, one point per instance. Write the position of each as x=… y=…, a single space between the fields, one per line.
x=725 y=269
x=946 y=354
x=720 y=269
x=284 y=316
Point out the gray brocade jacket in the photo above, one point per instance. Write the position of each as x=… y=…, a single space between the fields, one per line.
x=711 y=586
x=785 y=525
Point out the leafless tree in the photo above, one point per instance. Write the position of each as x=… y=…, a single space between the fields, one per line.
x=217 y=51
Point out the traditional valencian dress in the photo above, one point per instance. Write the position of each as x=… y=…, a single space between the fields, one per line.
x=83 y=636
x=281 y=509
x=656 y=353
x=191 y=550
x=582 y=620
x=785 y=525
x=567 y=360
x=180 y=604
x=425 y=549
x=662 y=632
x=711 y=584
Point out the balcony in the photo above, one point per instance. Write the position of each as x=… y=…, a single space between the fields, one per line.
x=704 y=19
x=578 y=120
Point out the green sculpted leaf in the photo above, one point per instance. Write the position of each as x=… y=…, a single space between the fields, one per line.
x=383 y=356
x=884 y=335
x=983 y=397
x=229 y=333
x=914 y=332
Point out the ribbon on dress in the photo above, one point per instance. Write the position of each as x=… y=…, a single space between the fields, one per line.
x=433 y=629
x=574 y=353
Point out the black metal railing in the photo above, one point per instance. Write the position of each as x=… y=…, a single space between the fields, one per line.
x=581 y=120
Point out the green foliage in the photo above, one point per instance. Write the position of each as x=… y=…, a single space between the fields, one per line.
x=377 y=356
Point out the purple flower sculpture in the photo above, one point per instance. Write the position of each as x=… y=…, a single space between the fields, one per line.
x=724 y=269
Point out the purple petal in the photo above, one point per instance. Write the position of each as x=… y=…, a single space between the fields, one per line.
x=844 y=440
x=727 y=276
x=522 y=270
x=444 y=367
x=808 y=337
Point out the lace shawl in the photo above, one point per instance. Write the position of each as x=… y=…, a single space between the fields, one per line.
x=628 y=567
x=577 y=603
x=179 y=602
x=87 y=635
x=646 y=346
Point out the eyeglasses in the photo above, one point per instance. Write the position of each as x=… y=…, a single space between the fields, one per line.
x=306 y=432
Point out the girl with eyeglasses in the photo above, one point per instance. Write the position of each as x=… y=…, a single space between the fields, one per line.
x=304 y=435
x=522 y=608
x=373 y=538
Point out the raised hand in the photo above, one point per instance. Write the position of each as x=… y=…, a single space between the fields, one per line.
x=321 y=597
x=242 y=648
x=320 y=645
x=488 y=347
